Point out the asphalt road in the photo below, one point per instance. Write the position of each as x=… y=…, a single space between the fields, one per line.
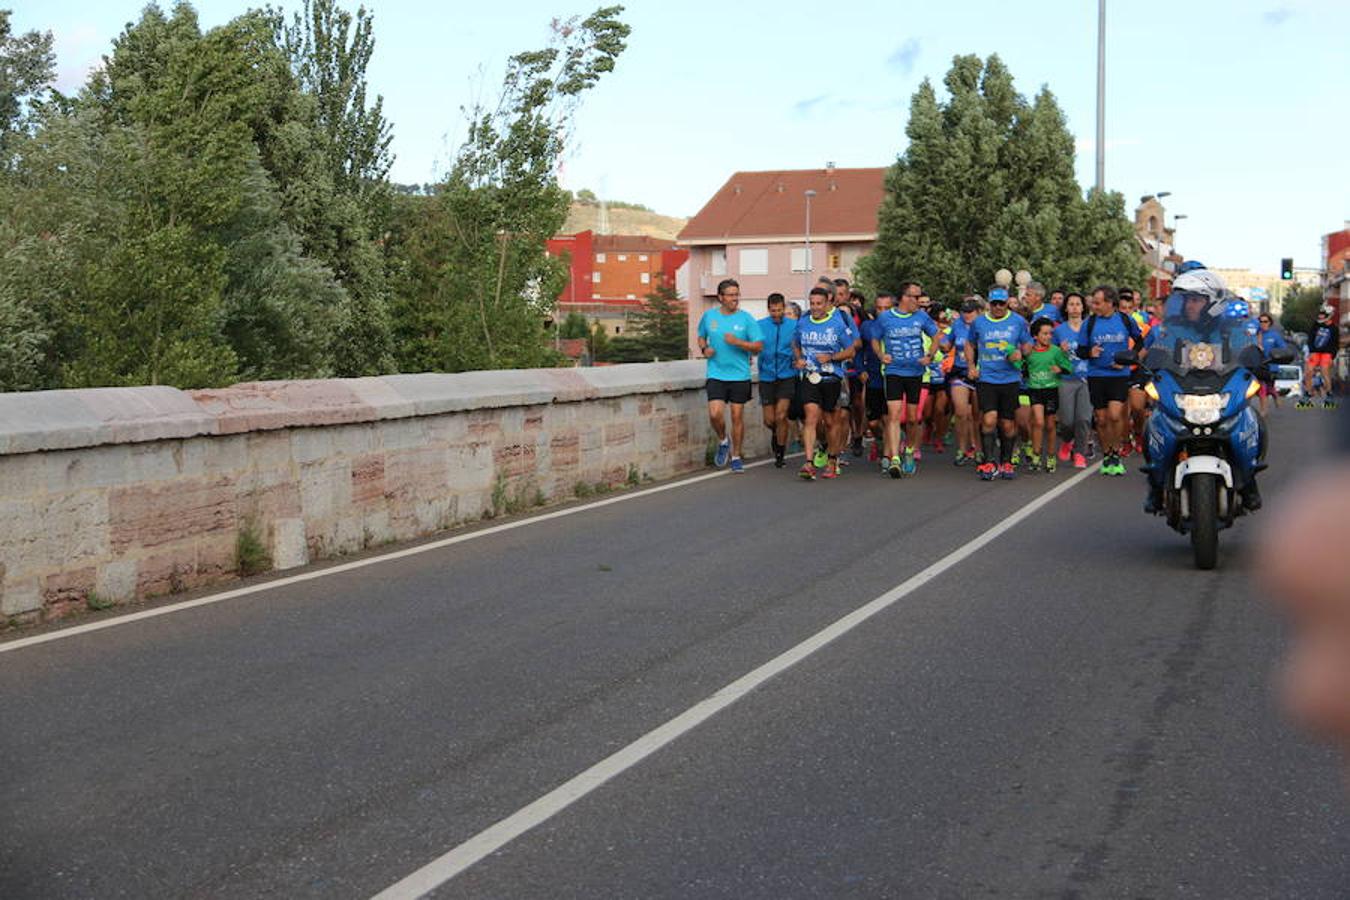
x=1071 y=711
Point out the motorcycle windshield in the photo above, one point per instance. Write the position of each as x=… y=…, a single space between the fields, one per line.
x=1202 y=344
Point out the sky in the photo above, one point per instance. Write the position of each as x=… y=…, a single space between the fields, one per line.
x=1234 y=106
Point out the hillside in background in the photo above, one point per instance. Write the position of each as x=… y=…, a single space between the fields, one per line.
x=583 y=216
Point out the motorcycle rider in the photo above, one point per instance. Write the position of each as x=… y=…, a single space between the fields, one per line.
x=1197 y=312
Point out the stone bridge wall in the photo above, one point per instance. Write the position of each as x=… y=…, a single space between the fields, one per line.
x=114 y=494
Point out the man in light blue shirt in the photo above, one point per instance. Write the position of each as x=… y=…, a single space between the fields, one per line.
x=727 y=336
x=777 y=377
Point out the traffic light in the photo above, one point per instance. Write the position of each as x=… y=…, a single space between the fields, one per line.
x=1286 y=269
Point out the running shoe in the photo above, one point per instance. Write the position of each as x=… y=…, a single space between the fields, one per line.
x=1079 y=461
x=1108 y=463
x=1007 y=471
x=820 y=459
x=1139 y=445
x=1017 y=457
x=1051 y=464
x=962 y=459
x=908 y=466
x=737 y=466
x=939 y=447
x=918 y=452
x=1033 y=461
x=1328 y=404
x=894 y=470
x=1065 y=451
x=1119 y=468
x=723 y=454
x=988 y=471
x=831 y=470
x=778 y=458
x=856 y=447
x=1126 y=448
x=807 y=472
x=875 y=454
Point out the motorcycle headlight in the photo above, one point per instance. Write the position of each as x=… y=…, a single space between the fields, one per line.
x=1202 y=409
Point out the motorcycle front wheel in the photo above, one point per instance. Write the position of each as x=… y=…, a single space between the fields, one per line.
x=1204 y=490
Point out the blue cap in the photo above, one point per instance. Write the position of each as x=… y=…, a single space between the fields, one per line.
x=997 y=294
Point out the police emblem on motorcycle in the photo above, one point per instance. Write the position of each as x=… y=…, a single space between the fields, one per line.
x=1201 y=356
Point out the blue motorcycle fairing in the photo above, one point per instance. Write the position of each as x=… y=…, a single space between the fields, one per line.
x=1238 y=425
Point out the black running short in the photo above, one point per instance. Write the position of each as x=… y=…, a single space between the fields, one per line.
x=728 y=391
x=1104 y=390
x=1047 y=397
x=876 y=403
x=770 y=392
x=825 y=395
x=1001 y=397
x=904 y=387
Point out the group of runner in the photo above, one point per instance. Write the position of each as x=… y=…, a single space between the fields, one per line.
x=1025 y=383
x=1006 y=376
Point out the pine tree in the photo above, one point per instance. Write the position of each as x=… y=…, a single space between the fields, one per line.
x=663 y=323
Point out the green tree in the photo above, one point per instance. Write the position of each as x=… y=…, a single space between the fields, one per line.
x=1299 y=311
x=574 y=326
x=27 y=65
x=987 y=181
x=477 y=283
x=663 y=324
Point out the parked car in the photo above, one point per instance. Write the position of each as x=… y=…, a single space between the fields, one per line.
x=1289 y=381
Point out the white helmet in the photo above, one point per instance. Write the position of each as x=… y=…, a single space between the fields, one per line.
x=1200 y=281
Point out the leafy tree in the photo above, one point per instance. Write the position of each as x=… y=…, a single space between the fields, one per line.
x=478 y=282
x=987 y=181
x=574 y=326
x=663 y=323
x=27 y=66
x=599 y=343
x=1299 y=312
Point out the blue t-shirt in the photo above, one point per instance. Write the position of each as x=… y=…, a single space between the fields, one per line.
x=994 y=340
x=934 y=374
x=1047 y=311
x=728 y=363
x=830 y=335
x=901 y=335
x=960 y=333
x=871 y=363
x=775 y=360
x=1270 y=340
x=1066 y=332
x=1112 y=333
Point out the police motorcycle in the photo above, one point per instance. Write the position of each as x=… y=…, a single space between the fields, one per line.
x=1205 y=443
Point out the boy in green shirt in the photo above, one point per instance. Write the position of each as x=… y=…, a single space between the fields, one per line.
x=1045 y=363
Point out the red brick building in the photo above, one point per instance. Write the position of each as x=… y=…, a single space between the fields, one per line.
x=1336 y=266
x=612 y=274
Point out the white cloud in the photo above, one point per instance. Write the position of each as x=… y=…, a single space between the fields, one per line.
x=79 y=51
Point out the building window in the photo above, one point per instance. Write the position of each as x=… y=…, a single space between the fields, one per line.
x=834 y=261
x=595 y=277
x=599 y=257
x=618 y=329
x=719 y=261
x=755 y=262
x=801 y=259
x=646 y=278
x=623 y=257
x=642 y=257
x=632 y=296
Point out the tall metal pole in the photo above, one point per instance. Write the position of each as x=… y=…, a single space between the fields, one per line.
x=1101 y=95
x=807 y=267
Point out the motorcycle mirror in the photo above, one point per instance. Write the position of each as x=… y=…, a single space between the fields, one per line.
x=1282 y=355
x=1250 y=357
x=1126 y=358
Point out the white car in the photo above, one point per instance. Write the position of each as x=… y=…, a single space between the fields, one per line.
x=1289 y=381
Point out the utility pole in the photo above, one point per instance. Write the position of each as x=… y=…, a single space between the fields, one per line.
x=1101 y=95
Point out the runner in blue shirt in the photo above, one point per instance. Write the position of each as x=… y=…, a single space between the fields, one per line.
x=899 y=341
x=960 y=386
x=1105 y=333
x=1075 y=406
x=727 y=336
x=777 y=377
x=874 y=382
x=1034 y=306
x=1270 y=338
x=822 y=344
x=994 y=352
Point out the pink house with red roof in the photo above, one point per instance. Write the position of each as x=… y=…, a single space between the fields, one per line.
x=754 y=230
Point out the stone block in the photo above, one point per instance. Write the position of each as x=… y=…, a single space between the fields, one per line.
x=77 y=527
x=289 y=548
x=268 y=449
x=325 y=488
x=410 y=474
x=23 y=474
x=77 y=470
x=402 y=434
x=619 y=434
x=71 y=586
x=515 y=460
x=267 y=495
x=368 y=484
x=144 y=516
x=376 y=529
x=565 y=450
x=117 y=580
x=168 y=572
x=20 y=597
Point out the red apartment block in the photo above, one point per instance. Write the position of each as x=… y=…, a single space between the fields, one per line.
x=611 y=274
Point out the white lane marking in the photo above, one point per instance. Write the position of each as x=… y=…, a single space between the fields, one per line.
x=127 y=619
x=446 y=867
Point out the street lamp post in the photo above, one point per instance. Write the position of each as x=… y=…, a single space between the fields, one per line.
x=807 y=267
x=1101 y=95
